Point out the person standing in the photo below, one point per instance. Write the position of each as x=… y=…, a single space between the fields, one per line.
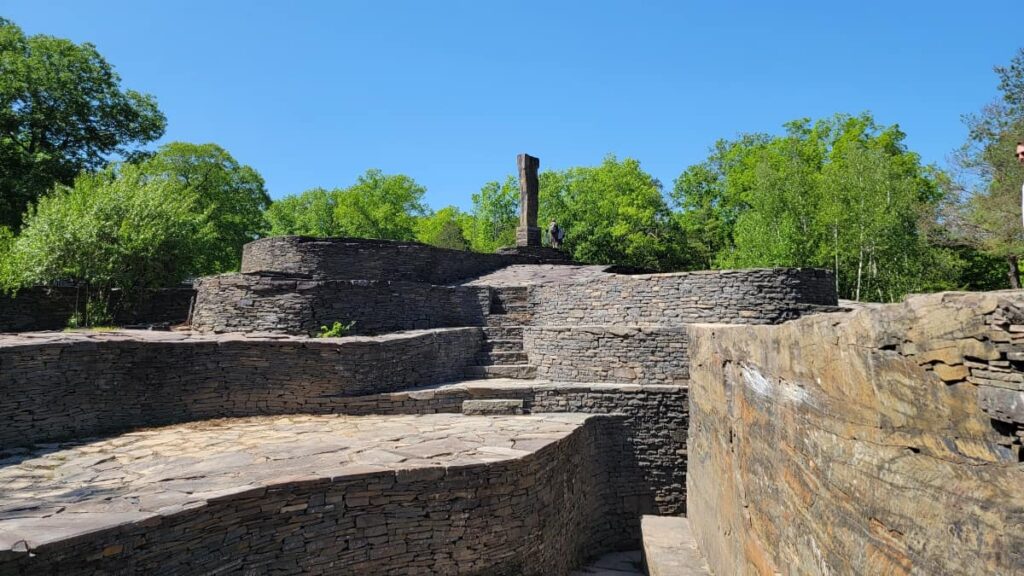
x=555 y=235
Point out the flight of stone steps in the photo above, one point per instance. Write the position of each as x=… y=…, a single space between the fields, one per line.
x=502 y=355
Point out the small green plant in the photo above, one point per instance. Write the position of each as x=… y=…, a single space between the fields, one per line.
x=336 y=330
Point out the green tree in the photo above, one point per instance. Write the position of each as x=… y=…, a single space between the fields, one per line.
x=232 y=197
x=381 y=206
x=308 y=214
x=112 y=229
x=62 y=111
x=993 y=204
x=842 y=193
x=495 y=216
x=707 y=212
x=613 y=213
x=378 y=205
x=444 y=229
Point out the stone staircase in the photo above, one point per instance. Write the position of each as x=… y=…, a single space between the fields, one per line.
x=502 y=354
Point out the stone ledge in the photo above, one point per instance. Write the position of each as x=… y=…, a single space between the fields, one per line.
x=247 y=494
x=669 y=547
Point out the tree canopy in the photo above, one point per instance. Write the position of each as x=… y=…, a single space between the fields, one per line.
x=992 y=206
x=230 y=195
x=613 y=213
x=117 y=228
x=841 y=193
x=378 y=205
x=62 y=111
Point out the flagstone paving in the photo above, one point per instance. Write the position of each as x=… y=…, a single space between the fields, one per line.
x=59 y=490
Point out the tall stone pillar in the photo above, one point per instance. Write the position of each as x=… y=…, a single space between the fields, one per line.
x=528 y=233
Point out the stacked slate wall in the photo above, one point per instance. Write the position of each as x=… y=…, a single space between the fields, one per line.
x=756 y=296
x=882 y=441
x=68 y=386
x=358 y=259
x=630 y=328
x=540 y=514
x=50 y=307
x=253 y=303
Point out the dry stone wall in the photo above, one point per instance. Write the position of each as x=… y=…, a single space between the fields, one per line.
x=356 y=259
x=253 y=303
x=49 y=308
x=540 y=514
x=882 y=441
x=60 y=386
x=762 y=296
x=628 y=354
x=655 y=423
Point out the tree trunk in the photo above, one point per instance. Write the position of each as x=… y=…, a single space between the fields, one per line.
x=1013 y=273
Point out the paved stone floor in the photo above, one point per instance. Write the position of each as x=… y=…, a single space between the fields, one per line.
x=523 y=275
x=56 y=491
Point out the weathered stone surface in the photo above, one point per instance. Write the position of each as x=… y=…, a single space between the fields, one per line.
x=882 y=441
x=492 y=407
x=252 y=303
x=532 y=495
x=669 y=547
x=63 y=385
x=628 y=354
x=363 y=259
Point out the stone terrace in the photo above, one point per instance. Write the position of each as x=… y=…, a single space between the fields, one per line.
x=323 y=494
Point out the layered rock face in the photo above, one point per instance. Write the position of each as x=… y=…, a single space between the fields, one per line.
x=881 y=441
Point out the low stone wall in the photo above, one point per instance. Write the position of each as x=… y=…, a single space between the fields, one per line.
x=74 y=385
x=539 y=514
x=49 y=308
x=360 y=259
x=628 y=354
x=762 y=296
x=251 y=303
x=655 y=422
x=882 y=441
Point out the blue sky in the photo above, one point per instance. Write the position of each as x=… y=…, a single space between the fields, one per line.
x=314 y=93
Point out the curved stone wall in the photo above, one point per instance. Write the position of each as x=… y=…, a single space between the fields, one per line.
x=761 y=296
x=882 y=441
x=252 y=303
x=74 y=385
x=539 y=509
x=629 y=354
x=357 y=259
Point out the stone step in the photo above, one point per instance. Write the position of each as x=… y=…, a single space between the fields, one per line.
x=495 y=333
x=502 y=358
x=492 y=407
x=669 y=547
x=517 y=371
x=509 y=345
x=511 y=319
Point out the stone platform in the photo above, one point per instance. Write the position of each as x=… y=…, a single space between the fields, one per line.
x=432 y=494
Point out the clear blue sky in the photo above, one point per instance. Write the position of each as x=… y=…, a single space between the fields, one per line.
x=314 y=93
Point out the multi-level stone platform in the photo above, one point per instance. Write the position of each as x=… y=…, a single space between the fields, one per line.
x=517 y=414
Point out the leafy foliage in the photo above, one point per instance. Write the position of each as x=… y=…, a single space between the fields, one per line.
x=444 y=229
x=495 y=216
x=377 y=206
x=308 y=214
x=62 y=111
x=842 y=193
x=993 y=205
x=613 y=213
x=114 y=229
x=336 y=330
x=231 y=196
